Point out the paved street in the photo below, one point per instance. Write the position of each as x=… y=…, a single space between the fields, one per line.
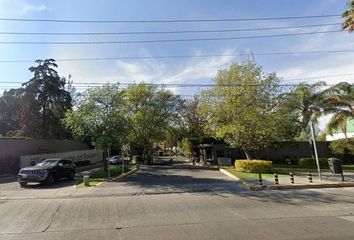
x=174 y=202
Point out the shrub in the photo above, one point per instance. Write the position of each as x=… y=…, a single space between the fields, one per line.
x=253 y=166
x=310 y=162
x=286 y=160
x=342 y=146
x=82 y=163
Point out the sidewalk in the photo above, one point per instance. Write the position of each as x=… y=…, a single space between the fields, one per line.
x=301 y=180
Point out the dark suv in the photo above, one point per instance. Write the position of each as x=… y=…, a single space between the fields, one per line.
x=47 y=172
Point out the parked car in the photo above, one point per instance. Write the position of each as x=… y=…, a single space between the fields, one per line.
x=115 y=160
x=47 y=171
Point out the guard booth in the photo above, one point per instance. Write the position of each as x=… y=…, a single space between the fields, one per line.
x=335 y=165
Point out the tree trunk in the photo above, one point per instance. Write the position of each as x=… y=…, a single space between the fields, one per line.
x=248 y=154
x=105 y=161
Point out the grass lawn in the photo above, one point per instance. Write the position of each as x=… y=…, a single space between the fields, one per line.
x=344 y=167
x=100 y=176
x=254 y=176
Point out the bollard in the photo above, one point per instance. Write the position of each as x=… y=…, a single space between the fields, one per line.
x=276 y=179
x=291 y=178
x=260 y=178
x=310 y=177
x=86 y=180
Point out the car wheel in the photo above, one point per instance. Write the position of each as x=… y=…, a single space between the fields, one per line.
x=23 y=184
x=72 y=175
x=49 y=180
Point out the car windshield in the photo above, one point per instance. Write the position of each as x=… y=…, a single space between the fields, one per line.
x=48 y=163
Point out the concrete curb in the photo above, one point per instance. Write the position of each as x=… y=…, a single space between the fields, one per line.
x=123 y=175
x=113 y=179
x=312 y=185
x=249 y=186
x=285 y=187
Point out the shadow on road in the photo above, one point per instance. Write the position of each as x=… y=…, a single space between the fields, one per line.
x=180 y=178
x=57 y=184
x=183 y=178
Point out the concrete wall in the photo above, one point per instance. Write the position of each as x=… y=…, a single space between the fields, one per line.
x=284 y=150
x=11 y=150
x=94 y=156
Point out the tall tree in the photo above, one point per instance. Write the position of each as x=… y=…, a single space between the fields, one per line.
x=192 y=119
x=348 y=15
x=100 y=117
x=245 y=108
x=150 y=111
x=10 y=105
x=306 y=102
x=339 y=101
x=45 y=102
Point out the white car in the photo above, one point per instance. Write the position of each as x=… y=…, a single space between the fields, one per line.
x=115 y=160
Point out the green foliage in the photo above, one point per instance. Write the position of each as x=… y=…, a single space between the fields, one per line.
x=342 y=146
x=10 y=105
x=100 y=117
x=149 y=111
x=339 y=102
x=115 y=171
x=253 y=166
x=305 y=101
x=251 y=113
x=45 y=102
x=321 y=137
x=348 y=15
x=192 y=120
x=187 y=146
x=310 y=162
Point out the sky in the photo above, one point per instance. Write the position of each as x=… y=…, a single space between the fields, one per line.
x=181 y=70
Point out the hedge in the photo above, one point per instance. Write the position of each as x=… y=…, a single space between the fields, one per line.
x=312 y=162
x=253 y=166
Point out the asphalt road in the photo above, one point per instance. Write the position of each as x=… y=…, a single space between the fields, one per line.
x=175 y=202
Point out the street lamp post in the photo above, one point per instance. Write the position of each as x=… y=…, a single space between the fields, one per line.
x=315 y=149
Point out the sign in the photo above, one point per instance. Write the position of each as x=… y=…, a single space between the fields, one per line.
x=75 y=156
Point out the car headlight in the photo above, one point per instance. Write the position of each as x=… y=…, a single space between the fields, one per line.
x=43 y=171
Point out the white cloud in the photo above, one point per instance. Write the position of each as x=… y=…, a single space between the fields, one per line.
x=175 y=71
x=11 y=8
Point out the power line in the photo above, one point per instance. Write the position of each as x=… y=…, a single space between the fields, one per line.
x=169 y=21
x=164 y=40
x=166 y=32
x=183 y=56
x=127 y=83
x=189 y=85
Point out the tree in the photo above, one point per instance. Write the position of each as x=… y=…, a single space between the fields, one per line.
x=150 y=111
x=45 y=102
x=100 y=117
x=192 y=119
x=10 y=105
x=306 y=102
x=246 y=108
x=348 y=15
x=339 y=101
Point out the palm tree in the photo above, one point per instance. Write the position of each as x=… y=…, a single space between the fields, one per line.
x=348 y=16
x=339 y=101
x=306 y=102
x=338 y=121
